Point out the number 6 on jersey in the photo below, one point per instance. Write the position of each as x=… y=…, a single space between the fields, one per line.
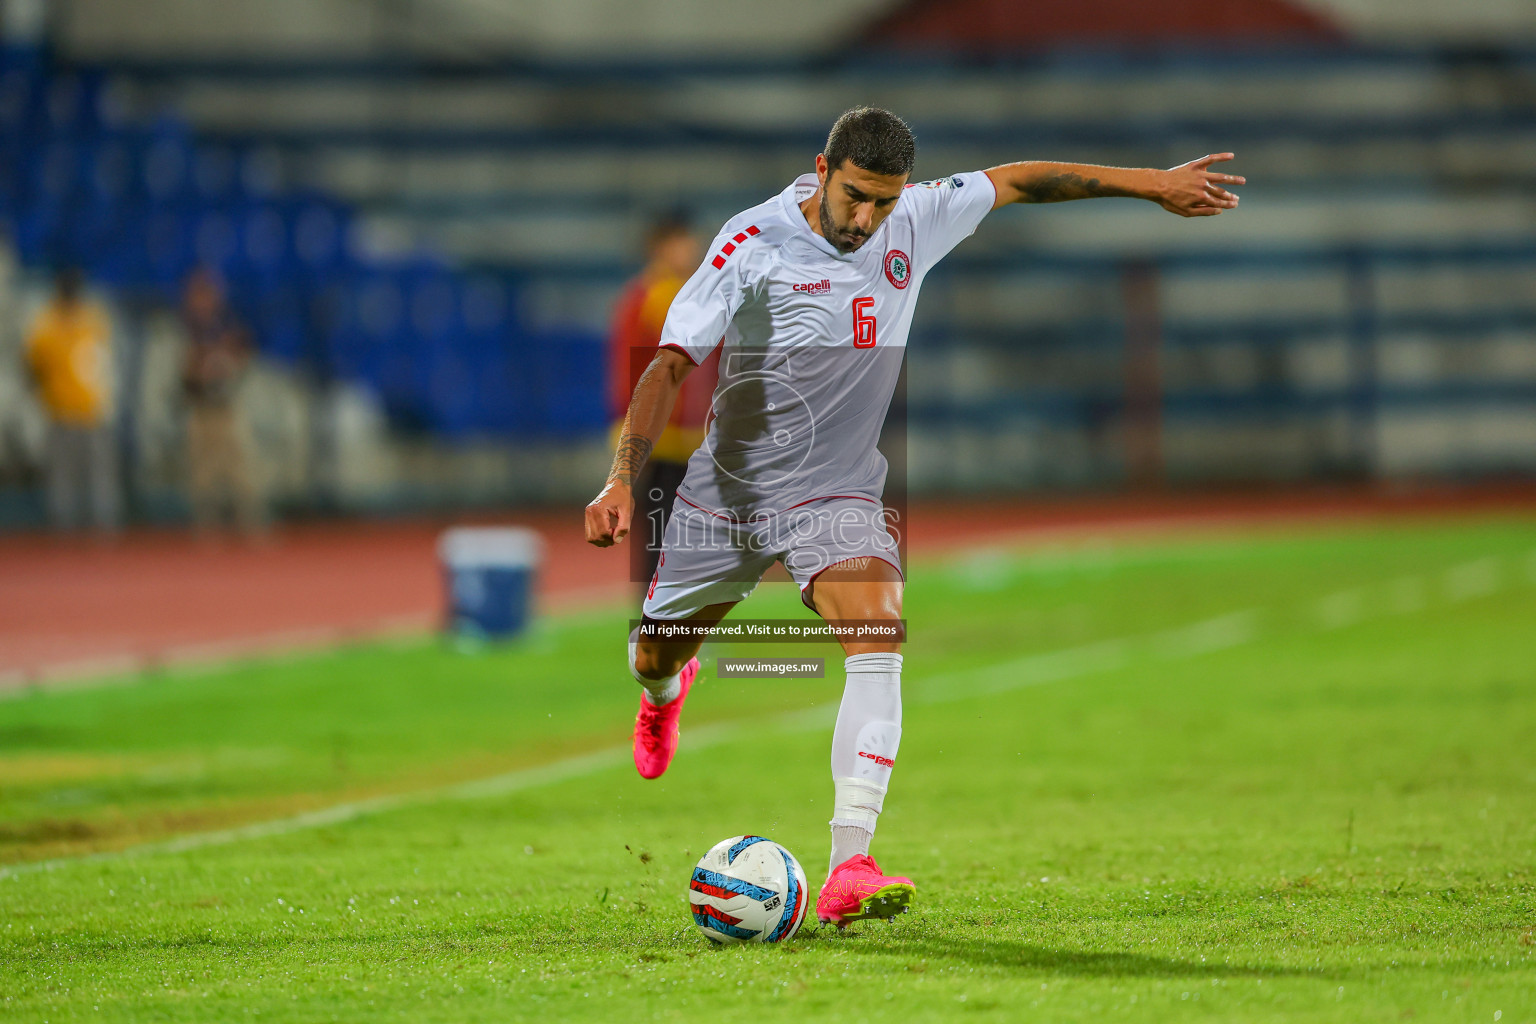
x=863 y=323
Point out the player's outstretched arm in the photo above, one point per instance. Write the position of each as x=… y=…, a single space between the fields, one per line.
x=609 y=514
x=1189 y=190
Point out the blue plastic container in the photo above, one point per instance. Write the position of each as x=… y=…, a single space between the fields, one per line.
x=490 y=573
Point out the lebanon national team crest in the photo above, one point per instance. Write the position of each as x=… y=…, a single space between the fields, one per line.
x=898 y=269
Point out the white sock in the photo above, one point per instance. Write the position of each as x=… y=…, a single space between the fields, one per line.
x=848 y=841
x=864 y=745
x=657 y=691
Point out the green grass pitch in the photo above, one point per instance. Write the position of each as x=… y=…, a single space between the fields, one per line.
x=1279 y=774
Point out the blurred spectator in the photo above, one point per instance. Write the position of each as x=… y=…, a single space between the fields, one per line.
x=13 y=375
x=69 y=353
x=9 y=327
x=219 y=466
x=672 y=254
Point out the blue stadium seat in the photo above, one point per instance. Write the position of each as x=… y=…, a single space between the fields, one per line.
x=166 y=239
x=18 y=91
x=318 y=234
x=140 y=206
x=165 y=167
x=565 y=365
x=216 y=174
x=281 y=323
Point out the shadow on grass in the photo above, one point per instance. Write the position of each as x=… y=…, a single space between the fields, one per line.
x=1005 y=954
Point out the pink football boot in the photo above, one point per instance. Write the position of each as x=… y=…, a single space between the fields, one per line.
x=857 y=890
x=656 y=727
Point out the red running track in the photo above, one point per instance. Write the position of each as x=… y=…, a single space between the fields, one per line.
x=77 y=608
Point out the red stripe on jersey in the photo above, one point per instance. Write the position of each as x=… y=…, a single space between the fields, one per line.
x=730 y=247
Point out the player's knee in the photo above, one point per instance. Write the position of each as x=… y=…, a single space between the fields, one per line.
x=655 y=661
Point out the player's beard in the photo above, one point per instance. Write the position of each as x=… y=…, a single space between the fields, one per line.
x=832 y=233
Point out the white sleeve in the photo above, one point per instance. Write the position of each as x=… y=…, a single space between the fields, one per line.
x=703 y=309
x=947 y=211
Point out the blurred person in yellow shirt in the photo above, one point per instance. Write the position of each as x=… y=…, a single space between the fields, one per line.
x=69 y=353
x=672 y=254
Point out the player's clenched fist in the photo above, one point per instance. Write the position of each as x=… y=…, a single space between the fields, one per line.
x=609 y=513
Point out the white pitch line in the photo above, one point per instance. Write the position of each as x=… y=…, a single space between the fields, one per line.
x=1018 y=673
x=475 y=789
x=1477 y=578
x=1033 y=670
x=1407 y=595
x=1337 y=610
x=1207 y=636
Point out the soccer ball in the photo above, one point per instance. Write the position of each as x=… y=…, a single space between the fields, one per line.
x=748 y=889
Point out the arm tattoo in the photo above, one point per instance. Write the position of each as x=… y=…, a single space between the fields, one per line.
x=634 y=449
x=1061 y=187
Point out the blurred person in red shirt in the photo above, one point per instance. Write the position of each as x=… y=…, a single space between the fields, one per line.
x=672 y=254
x=218 y=462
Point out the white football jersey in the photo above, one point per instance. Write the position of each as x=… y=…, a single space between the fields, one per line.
x=813 y=342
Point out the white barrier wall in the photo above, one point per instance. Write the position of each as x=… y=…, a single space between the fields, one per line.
x=613 y=28
x=458 y=28
x=1420 y=21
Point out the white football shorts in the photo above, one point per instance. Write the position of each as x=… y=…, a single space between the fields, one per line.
x=707 y=558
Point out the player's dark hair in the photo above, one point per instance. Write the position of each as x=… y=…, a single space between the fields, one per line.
x=872 y=139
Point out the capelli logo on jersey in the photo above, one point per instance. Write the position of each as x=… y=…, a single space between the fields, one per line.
x=822 y=287
x=884 y=762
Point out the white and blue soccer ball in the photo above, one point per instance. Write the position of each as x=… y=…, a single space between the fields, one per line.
x=748 y=889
